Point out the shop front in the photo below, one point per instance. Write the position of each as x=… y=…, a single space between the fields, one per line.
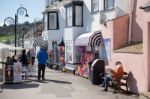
x=88 y=45
x=61 y=54
x=56 y=55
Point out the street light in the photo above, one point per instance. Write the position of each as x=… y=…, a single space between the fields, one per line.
x=20 y=11
x=9 y=20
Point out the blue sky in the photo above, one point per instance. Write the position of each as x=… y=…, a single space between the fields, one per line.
x=8 y=8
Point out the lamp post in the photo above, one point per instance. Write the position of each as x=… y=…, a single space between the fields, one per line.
x=20 y=11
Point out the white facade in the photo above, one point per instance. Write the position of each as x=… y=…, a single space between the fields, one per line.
x=55 y=35
x=92 y=21
x=28 y=43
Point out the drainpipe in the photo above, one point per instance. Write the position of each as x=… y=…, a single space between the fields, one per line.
x=130 y=21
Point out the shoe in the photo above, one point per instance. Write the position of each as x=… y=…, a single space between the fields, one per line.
x=43 y=78
x=104 y=90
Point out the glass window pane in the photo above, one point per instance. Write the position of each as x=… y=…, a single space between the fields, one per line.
x=109 y=4
x=95 y=5
x=68 y=51
x=78 y=15
x=52 y=20
x=69 y=16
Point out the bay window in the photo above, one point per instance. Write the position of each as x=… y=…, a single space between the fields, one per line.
x=74 y=13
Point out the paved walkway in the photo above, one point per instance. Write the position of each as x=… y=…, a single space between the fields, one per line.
x=58 y=86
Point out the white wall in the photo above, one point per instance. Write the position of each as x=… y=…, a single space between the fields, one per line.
x=45 y=22
x=71 y=33
x=56 y=35
x=45 y=35
x=90 y=20
x=28 y=43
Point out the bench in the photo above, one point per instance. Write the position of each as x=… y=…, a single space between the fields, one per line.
x=118 y=84
x=123 y=82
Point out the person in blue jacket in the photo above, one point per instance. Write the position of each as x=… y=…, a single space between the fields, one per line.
x=42 y=57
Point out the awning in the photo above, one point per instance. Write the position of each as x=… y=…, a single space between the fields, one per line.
x=39 y=42
x=89 y=39
x=95 y=39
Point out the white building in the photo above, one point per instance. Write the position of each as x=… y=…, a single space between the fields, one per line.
x=69 y=19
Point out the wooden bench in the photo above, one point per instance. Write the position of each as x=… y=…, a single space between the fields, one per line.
x=123 y=82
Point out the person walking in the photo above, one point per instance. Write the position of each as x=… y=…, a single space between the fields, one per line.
x=42 y=57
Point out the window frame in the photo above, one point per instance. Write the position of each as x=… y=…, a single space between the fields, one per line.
x=57 y=21
x=68 y=15
x=92 y=6
x=73 y=5
x=68 y=51
x=106 y=5
x=75 y=16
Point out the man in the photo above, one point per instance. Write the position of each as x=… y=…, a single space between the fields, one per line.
x=23 y=60
x=42 y=57
x=114 y=74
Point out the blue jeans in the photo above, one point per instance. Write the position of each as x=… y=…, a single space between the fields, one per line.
x=107 y=78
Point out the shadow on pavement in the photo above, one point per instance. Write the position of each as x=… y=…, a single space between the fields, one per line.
x=19 y=85
x=49 y=80
x=60 y=82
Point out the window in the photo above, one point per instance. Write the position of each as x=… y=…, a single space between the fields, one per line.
x=53 y=20
x=68 y=51
x=69 y=16
x=78 y=15
x=74 y=14
x=108 y=4
x=95 y=5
